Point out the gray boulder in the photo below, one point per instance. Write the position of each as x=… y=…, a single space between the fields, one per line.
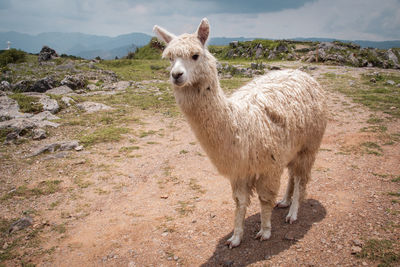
x=74 y=82
x=5 y=86
x=57 y=146
x=67 y=100
x=90 y=107
x=61 y=90
x=43 y=85
x=38 y=134
x=20 y=224
x=46 y=54
x=47 y=103
x=9 y=109
x=390 y=55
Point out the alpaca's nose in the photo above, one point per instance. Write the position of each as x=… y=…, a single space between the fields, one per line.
x=176 y=75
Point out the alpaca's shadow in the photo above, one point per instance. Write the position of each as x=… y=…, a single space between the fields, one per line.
x=283 y=236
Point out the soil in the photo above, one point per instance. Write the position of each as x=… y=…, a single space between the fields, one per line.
x=164 y=204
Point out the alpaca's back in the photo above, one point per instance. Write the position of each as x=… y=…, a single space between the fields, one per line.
x=286 y=111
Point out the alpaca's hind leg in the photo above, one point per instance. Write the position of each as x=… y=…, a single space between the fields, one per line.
x=287 y=198
x=267 y=189
x=300 y=170
x=241 y=196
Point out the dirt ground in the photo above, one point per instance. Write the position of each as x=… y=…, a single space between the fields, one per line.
x=160 y=202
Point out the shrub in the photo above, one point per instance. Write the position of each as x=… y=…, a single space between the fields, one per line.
x=11 y=56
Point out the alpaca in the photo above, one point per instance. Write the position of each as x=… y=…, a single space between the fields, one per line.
x=275 y=121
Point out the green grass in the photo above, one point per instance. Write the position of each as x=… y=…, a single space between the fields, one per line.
x=11 y=56
x=377 y=96
x=43 y=188
x=230 y=85
x=103 y=134
x=137 y=69
x=396 y=180
x=380 y=250
x=27 y=104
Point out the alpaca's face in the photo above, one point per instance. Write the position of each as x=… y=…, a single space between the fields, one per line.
x=186 y=52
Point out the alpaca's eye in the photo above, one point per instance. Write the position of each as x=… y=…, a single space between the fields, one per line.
x=195 y=57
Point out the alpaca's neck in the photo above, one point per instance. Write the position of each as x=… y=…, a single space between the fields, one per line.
x=209 y=114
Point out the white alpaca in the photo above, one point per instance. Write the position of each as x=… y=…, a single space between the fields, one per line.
x=273 y=122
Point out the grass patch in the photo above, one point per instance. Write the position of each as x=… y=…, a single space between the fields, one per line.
x=43 y=188
x=230 y=85
x=372 y=148
x=147 y=133
x=396 y=180
x=127 y=149
x=184 y=208
x=380 y=250
x=27 y=104
x=377 y=96
x=183 y=151
x=137 y=69
x=104 y=134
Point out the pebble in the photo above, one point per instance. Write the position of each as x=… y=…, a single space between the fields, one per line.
x=355 y=249
x=164 y=234
x=79 y=148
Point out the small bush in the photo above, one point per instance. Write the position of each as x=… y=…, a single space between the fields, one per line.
x=11 y=56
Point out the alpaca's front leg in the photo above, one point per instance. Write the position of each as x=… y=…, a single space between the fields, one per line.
x=241 y=197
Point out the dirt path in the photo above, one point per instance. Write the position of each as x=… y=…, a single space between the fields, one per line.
x=160 y=202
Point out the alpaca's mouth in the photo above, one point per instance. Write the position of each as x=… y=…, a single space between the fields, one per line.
x=178 y=82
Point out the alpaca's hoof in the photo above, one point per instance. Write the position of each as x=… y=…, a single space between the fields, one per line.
x=291 y=218
x=233 y=242
x=264 y=234
x=283 y=204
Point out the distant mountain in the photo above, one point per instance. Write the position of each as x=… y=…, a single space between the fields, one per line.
x=77 y=44
x=90 y=46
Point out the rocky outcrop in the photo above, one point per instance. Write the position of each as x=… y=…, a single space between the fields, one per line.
x=74 y=82
x=46 y=54
x=57 y=146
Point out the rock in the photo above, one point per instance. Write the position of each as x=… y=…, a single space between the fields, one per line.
x=372 y=80
x=67 y=66
x=291 y=236
x=57 y=146
x=92 y=106
x=92 y=87
x=22 y=86
x=234 y=44
x=390 y=82
x=43 y=85
x=61 y=90
x=353 y=60
x=356 y=242
x=44 y=115
x=79 y=148
x=74 y=82
x=9 y=109
x=49 y=104
x=5 y=86
x=355 y=249
x=390 y=55
x=282 y=48
x=59 y=155
x=47 y=53
x=259 y=52
x=67 y=100
x=271 y=55
x=20 y=224
x=38 y=134
x=119 y=86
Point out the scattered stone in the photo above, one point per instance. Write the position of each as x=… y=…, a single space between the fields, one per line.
x=118 y=86
x=357 y=242
x=67 y=100
x=42 y=85
x=290 y=236
x=74 y=82
x=9 y=109
x=49 y=104
x=92 y=87
x=390 y=82
x=47 y=53
x=57 y=146
x=90 y=107
x=38 y=134
x=79 y=148
x=61 y=90
x=5 y=86
x=372 y=80
x=164 y=196
x=20 y=224
x=355 y=250
x=59 y=155
x=46 y=115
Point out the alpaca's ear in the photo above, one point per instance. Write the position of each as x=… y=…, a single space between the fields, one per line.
x=203 y=31
x=163 y=34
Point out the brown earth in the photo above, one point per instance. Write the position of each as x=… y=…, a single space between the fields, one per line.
x=164 y=204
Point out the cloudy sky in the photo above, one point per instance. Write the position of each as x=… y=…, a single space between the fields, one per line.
x=342 y=19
